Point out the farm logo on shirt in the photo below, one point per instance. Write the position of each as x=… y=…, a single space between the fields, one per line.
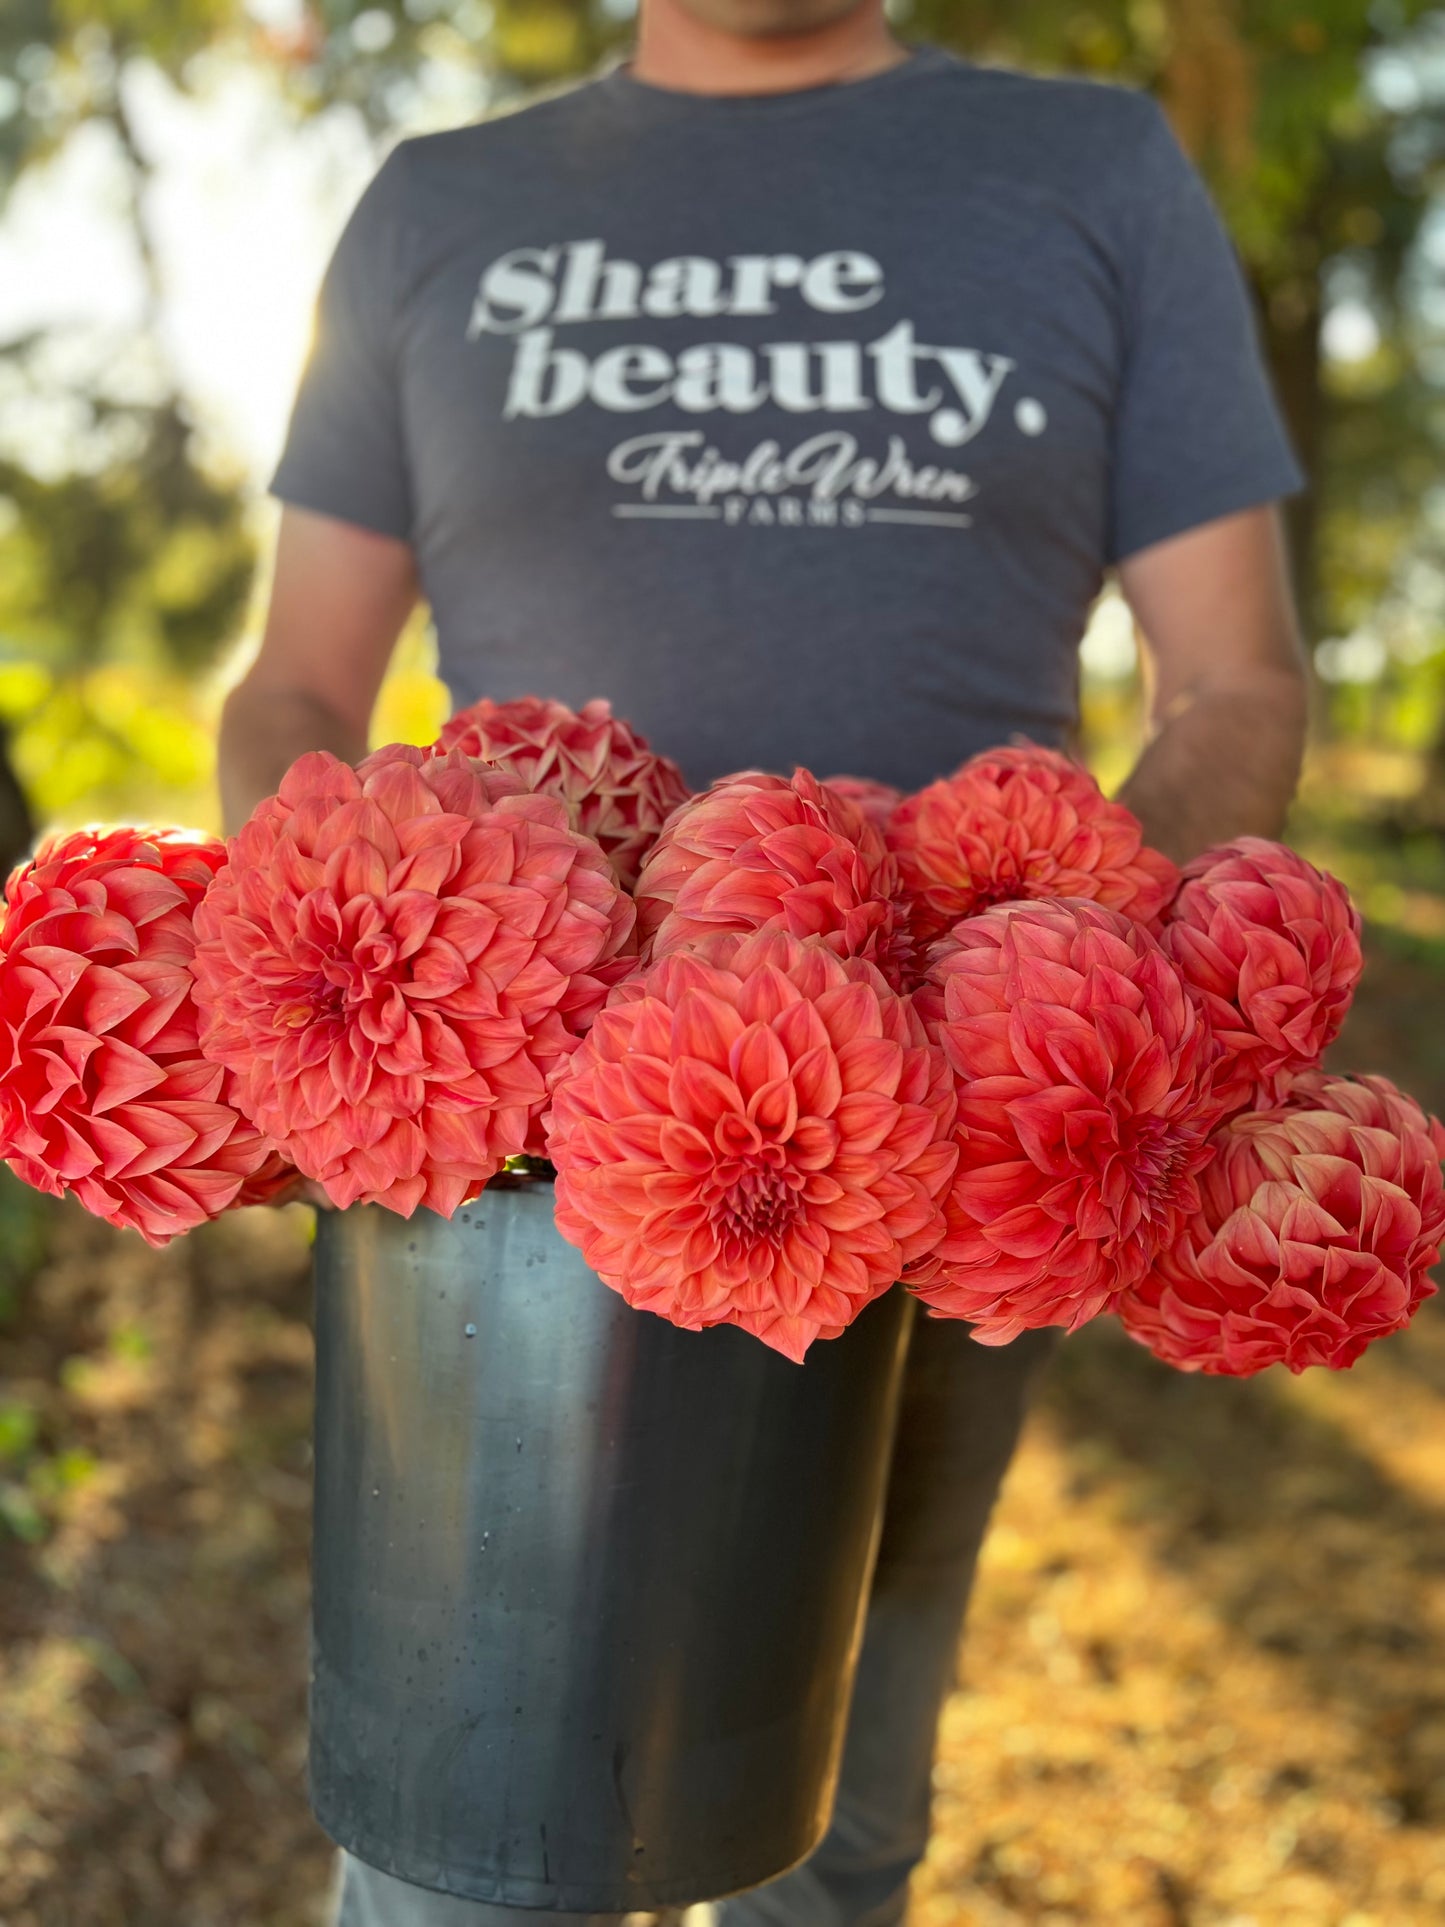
x=535 y=295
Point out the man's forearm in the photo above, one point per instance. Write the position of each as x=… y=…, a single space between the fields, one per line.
x=1223 y=763
x=263 y=731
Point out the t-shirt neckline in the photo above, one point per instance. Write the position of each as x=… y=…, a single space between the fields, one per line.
x=621 y=86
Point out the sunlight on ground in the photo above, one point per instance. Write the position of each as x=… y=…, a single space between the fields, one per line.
x=1200 y=1676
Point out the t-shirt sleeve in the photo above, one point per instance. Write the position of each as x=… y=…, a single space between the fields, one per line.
x=1197 y=431
x=345 y=449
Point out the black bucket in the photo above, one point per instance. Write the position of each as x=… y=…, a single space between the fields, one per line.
x=588 y=1590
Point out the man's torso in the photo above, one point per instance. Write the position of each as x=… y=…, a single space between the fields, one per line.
x=784 y=421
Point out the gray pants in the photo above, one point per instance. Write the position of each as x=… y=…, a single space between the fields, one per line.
x=963 y=1405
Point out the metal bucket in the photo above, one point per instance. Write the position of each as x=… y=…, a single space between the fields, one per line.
x=588 y=1590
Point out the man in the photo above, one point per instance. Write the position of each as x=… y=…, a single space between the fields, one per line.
x=795 y=390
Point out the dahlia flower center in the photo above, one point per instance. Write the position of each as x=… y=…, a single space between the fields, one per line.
x=1159 y=1155
x=757 y=1197
x=342 y=981
x=314 y=999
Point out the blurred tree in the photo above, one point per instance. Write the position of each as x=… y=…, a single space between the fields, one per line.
x=143 y=559
x=137 y=552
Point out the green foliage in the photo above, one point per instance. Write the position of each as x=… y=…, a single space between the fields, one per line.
x=117 y=586
x=1267 y=96
x=1349 y=817
x=147 y=558
x=20 y=1514
x=65 y=56
x=35 y=1484
x=19 y=1425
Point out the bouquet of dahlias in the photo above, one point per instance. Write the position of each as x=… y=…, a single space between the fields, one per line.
x=781 y=1044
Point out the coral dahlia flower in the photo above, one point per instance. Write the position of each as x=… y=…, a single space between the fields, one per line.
x=877 y=801
x=1084 y=1108
x=1022 y=823
x=1318 y=1222
x=754 y=1136
x=104 y=1092
x=393 y=959
x=617 y=789
x=1271 y=947
x=758 y=852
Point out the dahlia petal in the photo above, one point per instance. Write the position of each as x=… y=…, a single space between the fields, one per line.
x=701 y=1095
x=708 y=1029
x=118 y=1073
x=118 y=1148
x=815 y=1142
x=877 y=801
x=756 y=1059
x=774 y=1109
x=108 y=997
x=680 y=1145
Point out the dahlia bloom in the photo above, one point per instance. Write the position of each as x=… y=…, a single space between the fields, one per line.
x=757 y=1135
x=393 y=959
x=617 y=790
x=877 y=801
x=1084 y=1109
x=104 y=1092
x=1022 y=823
x=1271 y=948
x=759 y=852
x=1318 y=1222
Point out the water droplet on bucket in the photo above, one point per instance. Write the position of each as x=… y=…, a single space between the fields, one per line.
x=470 y=1330
x=376 y=1492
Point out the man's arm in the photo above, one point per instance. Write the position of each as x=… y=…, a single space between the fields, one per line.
x=340 y=596
x=1230 y=693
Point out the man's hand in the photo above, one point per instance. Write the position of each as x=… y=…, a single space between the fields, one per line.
x=1230 y=693
x=339 y=598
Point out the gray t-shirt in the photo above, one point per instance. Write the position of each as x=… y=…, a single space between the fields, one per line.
x=803 y=426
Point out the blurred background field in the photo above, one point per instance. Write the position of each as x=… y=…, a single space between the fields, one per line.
x=1205 y=1682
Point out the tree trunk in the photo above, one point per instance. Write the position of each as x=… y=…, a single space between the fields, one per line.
x=17 y=826
x=1289 y=317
